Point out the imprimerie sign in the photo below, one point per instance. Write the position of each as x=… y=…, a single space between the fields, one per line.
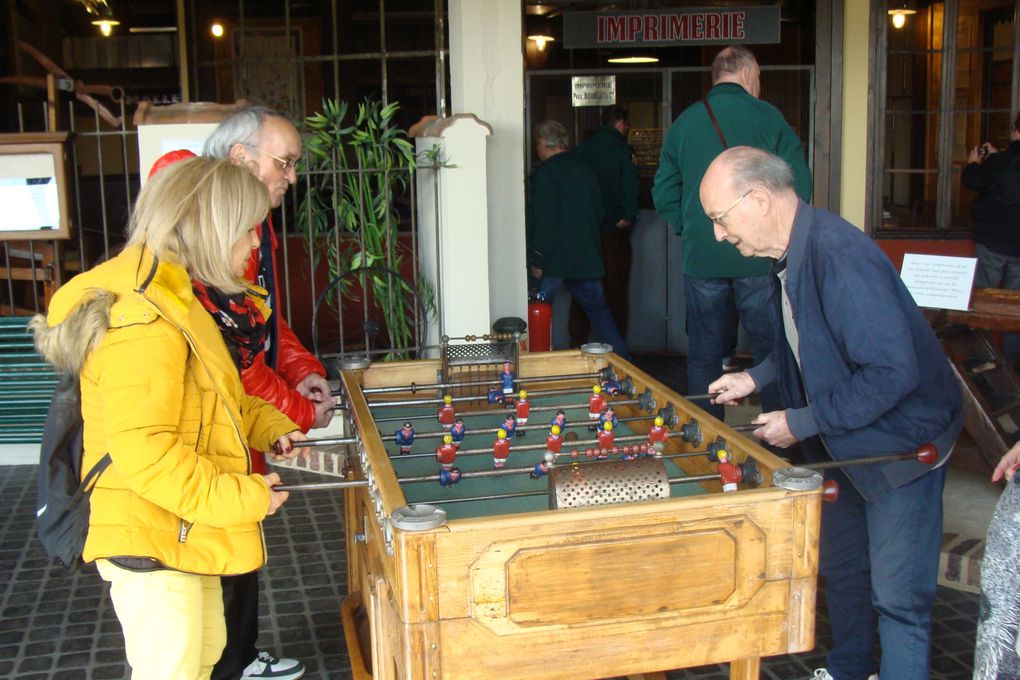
x=659 y=28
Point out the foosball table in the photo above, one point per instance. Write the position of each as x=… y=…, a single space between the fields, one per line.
x=571 y=556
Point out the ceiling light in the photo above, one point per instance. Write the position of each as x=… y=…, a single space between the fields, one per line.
x=633 y=60
x=216 y=29
x=541 y=40
x=899 y=15
x=106 y=26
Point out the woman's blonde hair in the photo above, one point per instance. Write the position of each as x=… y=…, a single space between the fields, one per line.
x=197 y=209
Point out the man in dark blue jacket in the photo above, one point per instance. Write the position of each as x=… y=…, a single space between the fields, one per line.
x=861 y=374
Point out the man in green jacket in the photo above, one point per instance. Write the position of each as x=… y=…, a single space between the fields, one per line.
x=719 y=284
x=564 y=227
x=611 y=158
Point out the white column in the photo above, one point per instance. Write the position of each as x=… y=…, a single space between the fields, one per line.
x=452 y=209
x=487 y=79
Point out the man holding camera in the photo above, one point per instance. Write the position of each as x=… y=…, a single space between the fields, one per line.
x=995 y=176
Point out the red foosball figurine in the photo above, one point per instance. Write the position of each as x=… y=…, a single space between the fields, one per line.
x=596 y=402
x=500 y=449
x=523 y=410
x=659 y=434
x=730 y=474
x=446 y=413
x=554 y=442
x=606 y=438
x=446 y=452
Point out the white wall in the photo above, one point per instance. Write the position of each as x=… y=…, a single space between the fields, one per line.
x=487 y=79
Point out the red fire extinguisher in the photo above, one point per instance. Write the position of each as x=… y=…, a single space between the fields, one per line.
x=539 y=323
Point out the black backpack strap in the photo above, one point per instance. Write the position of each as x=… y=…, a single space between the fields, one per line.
x=93 y=476
x=715 y=123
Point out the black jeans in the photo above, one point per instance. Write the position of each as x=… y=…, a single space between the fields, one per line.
x=241 y=612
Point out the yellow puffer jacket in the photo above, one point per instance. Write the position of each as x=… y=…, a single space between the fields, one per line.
x=161 y=394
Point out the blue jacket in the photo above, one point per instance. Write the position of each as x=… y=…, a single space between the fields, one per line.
x=875 y=379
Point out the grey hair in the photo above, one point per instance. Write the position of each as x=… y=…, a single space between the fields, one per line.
x=240 y=127
x=730 y=61
x=552 y=134
x=751 y=167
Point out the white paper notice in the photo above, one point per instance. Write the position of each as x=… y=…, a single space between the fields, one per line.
x=939 y=281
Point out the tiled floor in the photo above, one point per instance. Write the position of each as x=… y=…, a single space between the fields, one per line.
x=59 y=624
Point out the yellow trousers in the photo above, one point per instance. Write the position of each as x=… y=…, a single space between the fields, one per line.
x=173 y=622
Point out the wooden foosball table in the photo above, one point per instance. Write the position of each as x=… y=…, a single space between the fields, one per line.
x=534 y=570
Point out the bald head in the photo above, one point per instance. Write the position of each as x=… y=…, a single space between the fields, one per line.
x=737 y=65
x=748 y=195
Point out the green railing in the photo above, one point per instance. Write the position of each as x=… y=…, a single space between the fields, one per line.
x=26 y=384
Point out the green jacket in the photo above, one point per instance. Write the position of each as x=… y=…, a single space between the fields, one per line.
x=610 y=157
x=690 y=147
x=564 y=218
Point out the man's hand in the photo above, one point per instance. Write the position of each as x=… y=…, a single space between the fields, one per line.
x=276 y=498
x=286 y=446
x=1008 y=465
x=731 y=388
x=323 y=412
x=314 y=387
x=623 y=224
x=774 y=429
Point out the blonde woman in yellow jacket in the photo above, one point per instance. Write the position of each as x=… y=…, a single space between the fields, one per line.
x=178 y=507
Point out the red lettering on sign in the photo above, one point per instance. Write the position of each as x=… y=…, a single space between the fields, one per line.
x=614 y=29
x=633 y=28
x=738 y=25
x=699 y=27
x=712 y=26
x=651 y=27
x=679 y=26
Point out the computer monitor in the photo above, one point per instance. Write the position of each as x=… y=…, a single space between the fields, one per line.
x=33 y=186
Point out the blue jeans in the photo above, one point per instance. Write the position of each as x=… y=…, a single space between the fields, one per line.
x=588 y=293
x=995 y=270
x=880 y=558
x=710 y=309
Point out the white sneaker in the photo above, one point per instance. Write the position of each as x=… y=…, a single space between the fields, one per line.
x=266 y=665
x=822 y=674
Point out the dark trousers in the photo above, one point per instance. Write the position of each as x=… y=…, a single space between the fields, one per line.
x=241 y=612
x=880 y=560
x=616 y=254
x=712 y=306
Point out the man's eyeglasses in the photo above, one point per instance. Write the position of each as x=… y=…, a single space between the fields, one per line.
x=285 y=164
x=718 y=218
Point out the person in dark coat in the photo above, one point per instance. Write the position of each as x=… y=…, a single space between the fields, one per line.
x=860 y=374
x=564 y=222
x=611 y=158
x=720 y=286
x=995 y=175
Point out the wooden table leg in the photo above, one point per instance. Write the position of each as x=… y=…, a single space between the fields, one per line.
x=745 y=669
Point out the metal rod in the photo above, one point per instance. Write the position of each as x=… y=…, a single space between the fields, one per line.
x=534 y=409
x=532 y=447
x=493 y=497
x=476 y=397
x=526 y=447
x=414 y=388
x=500 y=472
x=916 y=455
x=493 y=430
x=323 y=486
x=326 y=441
